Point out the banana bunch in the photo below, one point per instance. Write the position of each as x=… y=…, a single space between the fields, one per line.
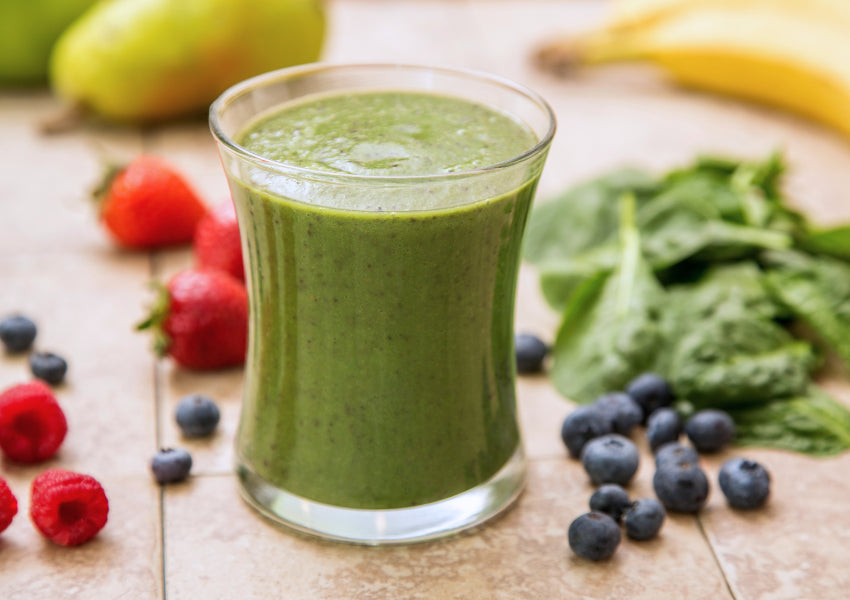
x=793 y=54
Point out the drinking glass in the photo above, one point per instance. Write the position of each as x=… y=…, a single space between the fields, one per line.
x=379 y=402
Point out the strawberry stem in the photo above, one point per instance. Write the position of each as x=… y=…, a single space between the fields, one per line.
x=109 y=171
x=157 y=313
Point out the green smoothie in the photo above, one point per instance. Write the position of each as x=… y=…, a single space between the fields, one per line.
x=381 y=366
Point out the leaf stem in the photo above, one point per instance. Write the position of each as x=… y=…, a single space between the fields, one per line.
x=630 y=245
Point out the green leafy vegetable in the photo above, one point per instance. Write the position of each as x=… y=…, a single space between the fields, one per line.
x=559 y=279
x=833 y=242
x=590 y=211
x=726 y=361
x=814 y=423
x=682 y=223
x=611 y=325
x=818 y=291
x=725 y=290
x=679 y=217
x=697 y=275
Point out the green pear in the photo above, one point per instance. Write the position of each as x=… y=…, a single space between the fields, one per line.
x=28 y=30
x=151 y=60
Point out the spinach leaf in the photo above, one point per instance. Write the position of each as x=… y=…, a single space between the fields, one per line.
x=834 y=241
x=685 y=224
x=727 y=349
x=573 y=237
x=744 y=192
x=817 y=290
x=813 y=423
x=560 y=278
x=733 y=360
x=694 y=275
x=766 y=174
x=611 y=328
x=583 y=217
x=725 y=289
x=697 y=184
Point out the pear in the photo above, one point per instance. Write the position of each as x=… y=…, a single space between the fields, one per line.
x=28 y=30
x=142 y=61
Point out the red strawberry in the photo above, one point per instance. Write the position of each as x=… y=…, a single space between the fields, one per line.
x=32 y=425
x=217 y=242
x=66 y=507
x=147 y=204
x=201 y=319
x=8 y=505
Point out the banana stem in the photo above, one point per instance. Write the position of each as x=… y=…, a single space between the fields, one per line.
x=566 y=54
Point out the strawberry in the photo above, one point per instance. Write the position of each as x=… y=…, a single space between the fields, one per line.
x=201 y=319
x=147 y=204
x=217 y=243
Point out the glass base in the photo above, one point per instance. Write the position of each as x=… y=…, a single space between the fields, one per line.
x=387 y=526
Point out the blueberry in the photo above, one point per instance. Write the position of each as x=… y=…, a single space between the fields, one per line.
x=621 y=409
x=171 y=465
x=594 y=536
x=644 y=519
x=676 y=453
x=745 y=483
x=651 y=391
x=17 y=333
x=610 y=499
x=610 y=458
x=710 y=430
x=530 y=353
x=48 y=367
x=582 y=425
x=197 y=415
x=663 y=426
x=681 y=488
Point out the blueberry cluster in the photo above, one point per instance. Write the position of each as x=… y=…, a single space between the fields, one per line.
x=18 y=332
x=197 y=416
x=598 y=435
x=595 y=535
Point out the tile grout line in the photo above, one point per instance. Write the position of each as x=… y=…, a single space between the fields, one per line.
x=158 y=398
x=155 y=266
x=715 y=557
x=157 y=393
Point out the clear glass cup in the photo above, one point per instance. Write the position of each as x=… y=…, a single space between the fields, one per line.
x=379 y=402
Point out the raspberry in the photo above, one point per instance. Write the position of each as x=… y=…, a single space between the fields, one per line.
x=32 y=425
x=8 y=505
x=68 y=508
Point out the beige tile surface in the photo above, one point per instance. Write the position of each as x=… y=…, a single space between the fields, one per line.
x=122 y=561
x=220 y=549
x=212 y=455
x=86 y=305
x=45 y=182
x=799 y=545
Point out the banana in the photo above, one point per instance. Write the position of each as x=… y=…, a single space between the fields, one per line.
x=792 y=54
x=627 y=14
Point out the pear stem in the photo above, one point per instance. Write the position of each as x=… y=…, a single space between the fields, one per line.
x=67 y=119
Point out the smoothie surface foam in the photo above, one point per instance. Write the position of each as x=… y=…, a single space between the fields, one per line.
x=387 y=133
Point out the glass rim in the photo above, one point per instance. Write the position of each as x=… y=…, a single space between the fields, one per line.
x=235 y=91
